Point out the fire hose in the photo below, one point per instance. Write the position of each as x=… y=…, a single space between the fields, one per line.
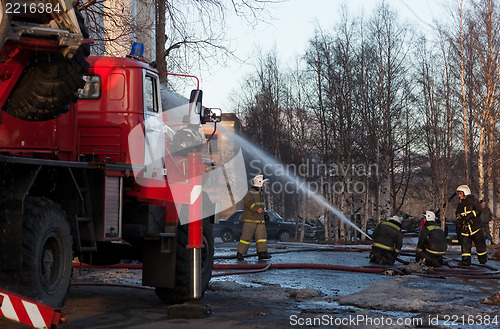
x=244 y=269
x=253 y=268
x=300 y=250
x=256 y=268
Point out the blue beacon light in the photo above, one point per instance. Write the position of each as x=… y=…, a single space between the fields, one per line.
x=137 y=50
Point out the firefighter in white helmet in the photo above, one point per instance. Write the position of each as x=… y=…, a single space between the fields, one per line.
x=468 y=216
x=431 y=244
x=253 y=218
x=387 y=241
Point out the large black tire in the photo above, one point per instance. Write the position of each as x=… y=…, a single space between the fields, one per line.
x=180 y=292
x=49 y=84
x=47 y=252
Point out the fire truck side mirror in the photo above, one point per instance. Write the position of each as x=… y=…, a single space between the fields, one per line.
x=195 y=107
x=211 y=115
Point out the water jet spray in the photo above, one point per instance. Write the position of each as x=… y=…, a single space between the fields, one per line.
x=290 y=177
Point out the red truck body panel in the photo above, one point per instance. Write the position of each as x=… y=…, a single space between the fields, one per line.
x=97 y=127
x=105 y=123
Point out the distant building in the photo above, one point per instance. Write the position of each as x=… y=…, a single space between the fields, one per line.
x=223 y=148
x=122 y=23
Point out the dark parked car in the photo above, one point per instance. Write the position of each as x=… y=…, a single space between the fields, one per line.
x=277 y=228
x=451 y=236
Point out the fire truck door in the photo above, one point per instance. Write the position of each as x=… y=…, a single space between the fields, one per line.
x=154 y=151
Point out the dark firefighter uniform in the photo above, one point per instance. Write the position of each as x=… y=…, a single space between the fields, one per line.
x=431 y=244
x=253 y=223
x=387 y=241
x=468 y=215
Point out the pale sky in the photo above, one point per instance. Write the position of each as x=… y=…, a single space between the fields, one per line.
x=293 y=25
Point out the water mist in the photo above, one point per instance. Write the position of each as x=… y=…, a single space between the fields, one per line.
x=290 y=177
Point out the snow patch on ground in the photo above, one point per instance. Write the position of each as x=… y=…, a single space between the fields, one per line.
x=407 y=294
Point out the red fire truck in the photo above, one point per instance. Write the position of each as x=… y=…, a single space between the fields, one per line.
x=106 y=181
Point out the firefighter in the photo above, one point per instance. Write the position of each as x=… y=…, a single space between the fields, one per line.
x=485 y=221
x=431 y=244
x=254 y=220
x=387 y=241
x=468 y=215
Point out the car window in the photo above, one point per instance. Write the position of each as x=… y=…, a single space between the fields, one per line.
x=273 y=217
x=235 y=217
x=278 y=217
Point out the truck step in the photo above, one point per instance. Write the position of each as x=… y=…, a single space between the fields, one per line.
x=85 y=237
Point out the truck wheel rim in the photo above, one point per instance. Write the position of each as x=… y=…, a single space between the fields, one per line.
x=50 y=263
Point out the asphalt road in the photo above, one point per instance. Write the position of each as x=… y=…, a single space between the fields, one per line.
x=291 y=298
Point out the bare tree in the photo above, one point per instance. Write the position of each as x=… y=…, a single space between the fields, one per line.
x=391 y=41
x=186 y=35
x=113 y=24
x=473 y=40
x=438 y=122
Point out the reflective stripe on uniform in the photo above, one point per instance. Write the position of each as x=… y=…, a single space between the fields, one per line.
x=466 y=254
x=433 y=227
x=244 y=242
x=472 y=233
x=256 y=204
x=465 y=213
x=392 y=224
x=257 y=221
x=436 y=252
x=482 y=253
x=383 y=246
x=418 y=249
x=261 y=240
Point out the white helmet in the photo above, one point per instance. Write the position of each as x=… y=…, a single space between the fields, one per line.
x=259 y=180
x=396 y=218
x=430 y=216
x=464 y=188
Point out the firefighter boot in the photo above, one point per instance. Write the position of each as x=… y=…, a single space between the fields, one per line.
x=239 y=256
x=466 y=260
x=264 y=255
